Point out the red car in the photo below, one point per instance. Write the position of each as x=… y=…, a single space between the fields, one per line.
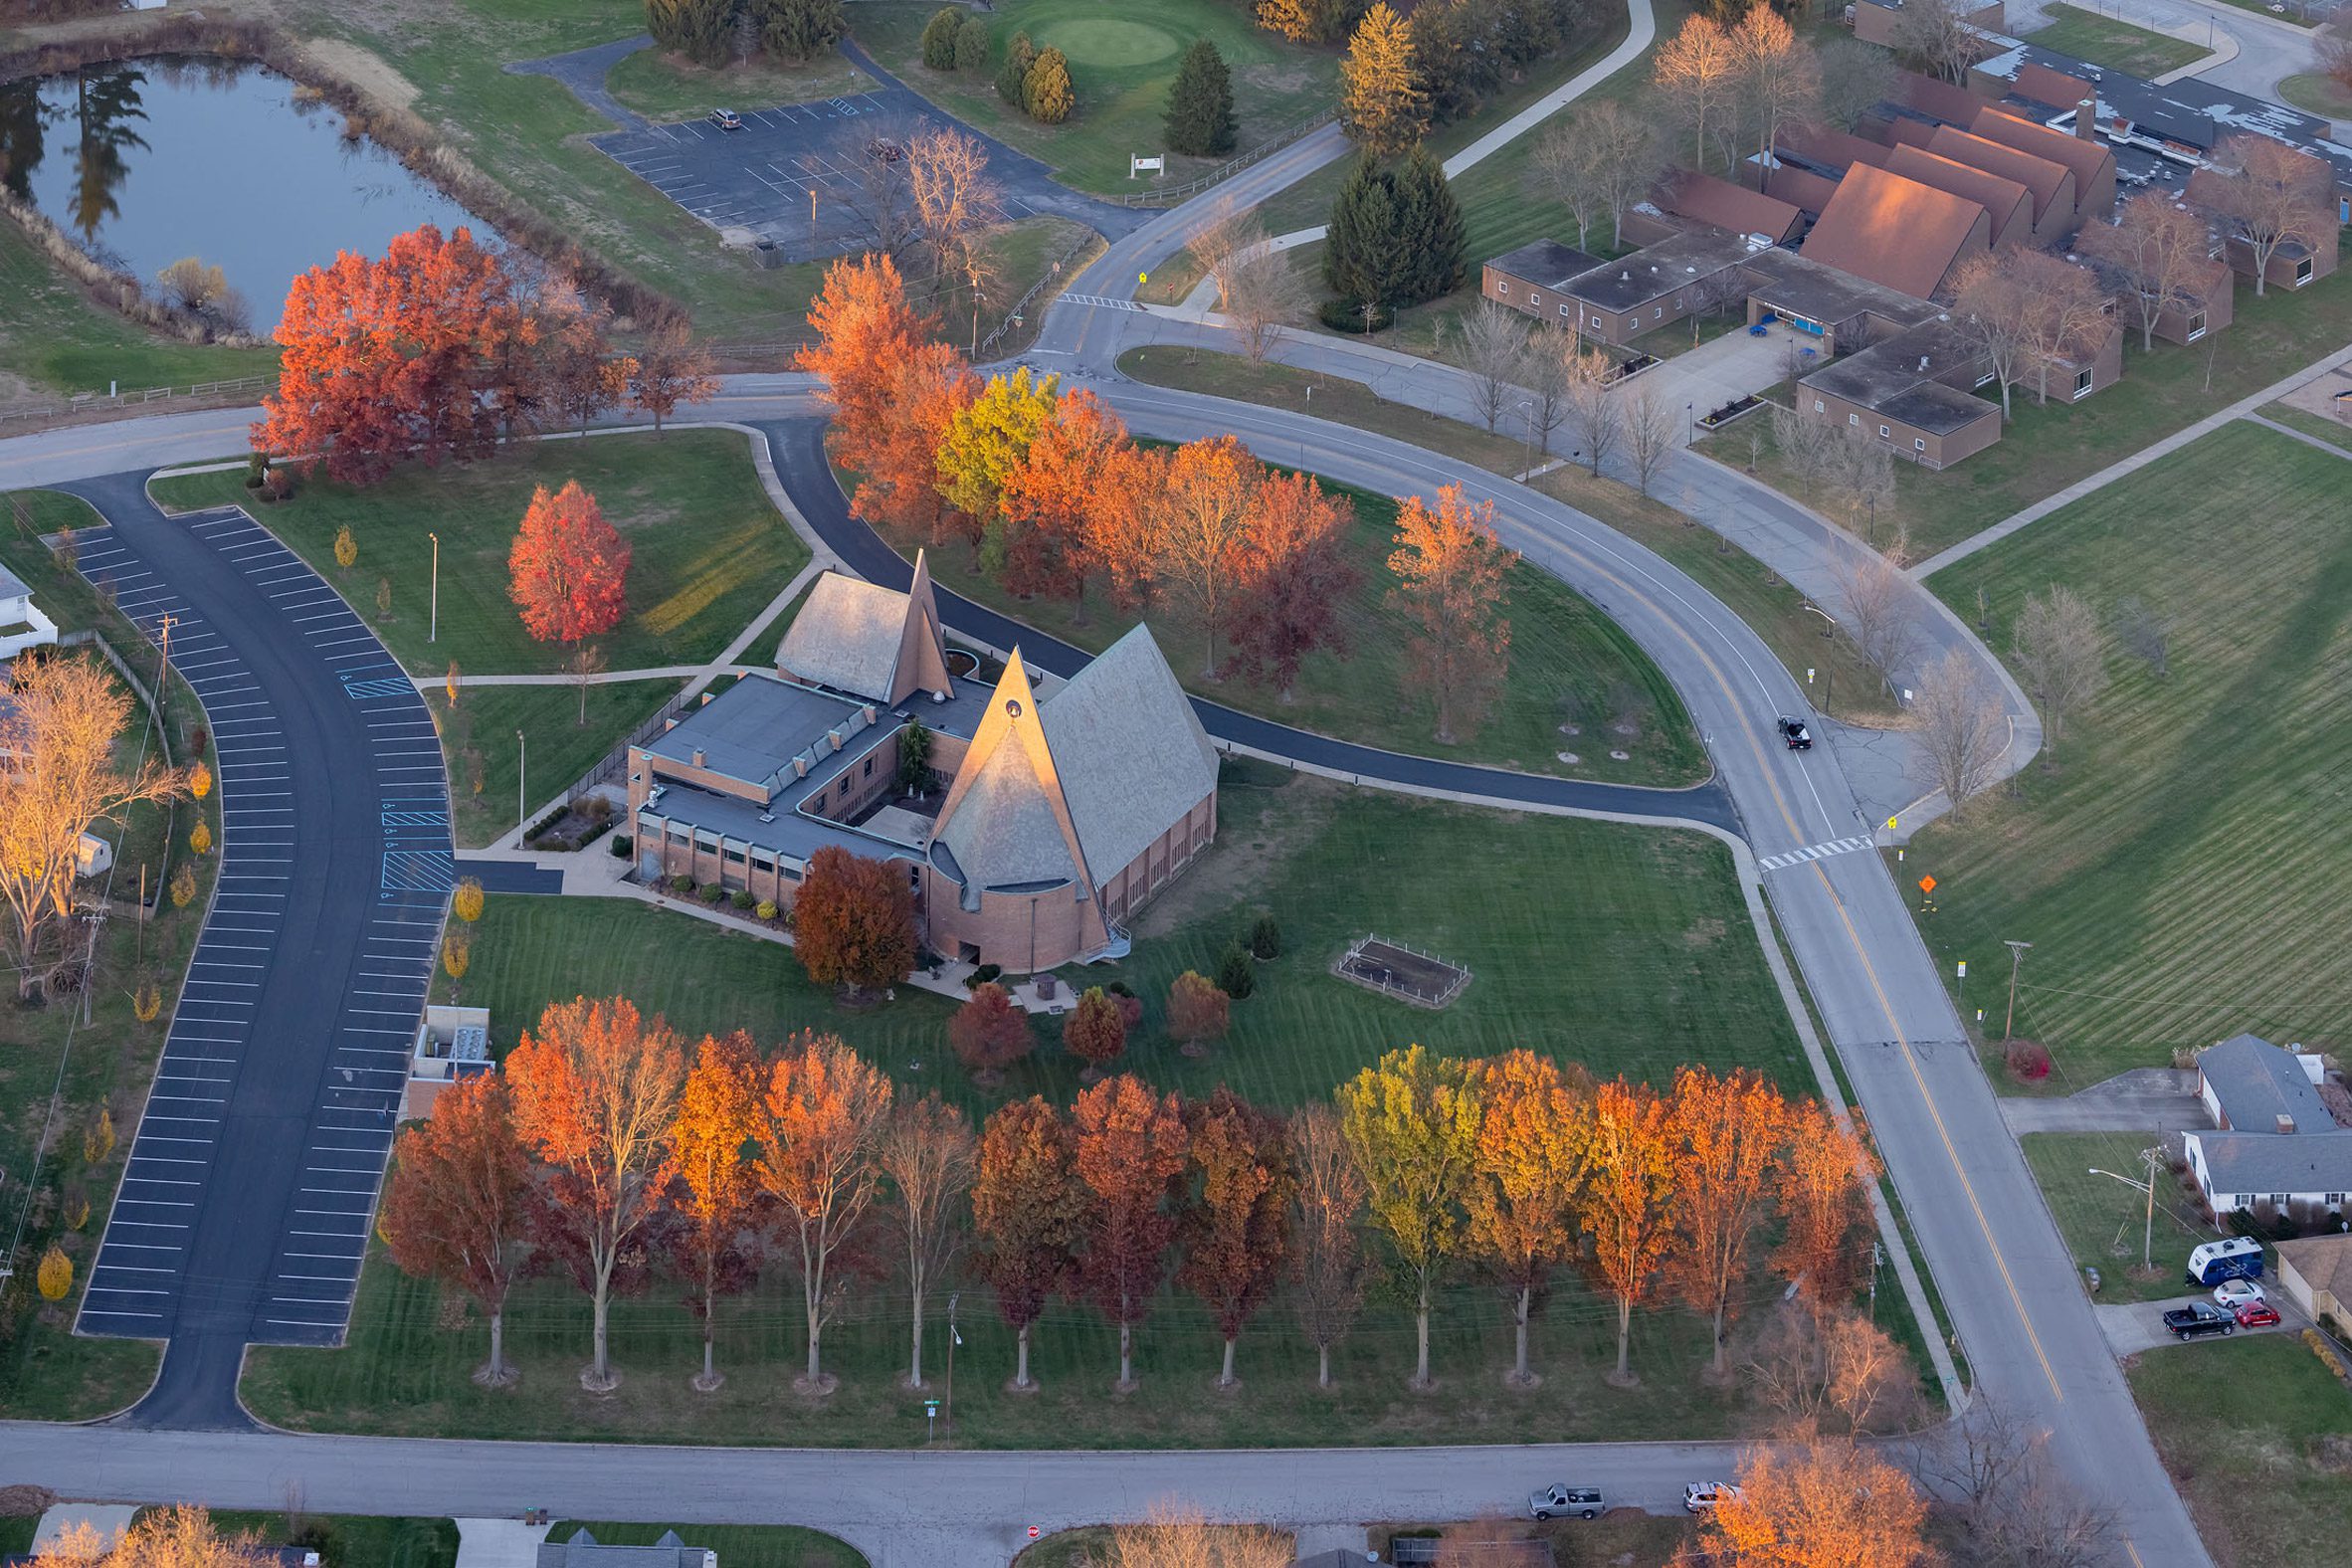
x=2257 y=1314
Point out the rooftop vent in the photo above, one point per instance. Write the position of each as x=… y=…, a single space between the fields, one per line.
x=1923 y=361
x=767 y=815
x=1626 y=277
x=701 y=757
x=2286 y=1123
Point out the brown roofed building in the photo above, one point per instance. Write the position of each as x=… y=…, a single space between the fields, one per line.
x=2089 y=160
x=1802 y=188
x=1934 y=97
x=2292 y=264
x=1528 y=280
x=1912 y=393
x=1830 y=148
x=1898 y=231
x=1703 y=198
x=2052 y=185
x=2008 y=204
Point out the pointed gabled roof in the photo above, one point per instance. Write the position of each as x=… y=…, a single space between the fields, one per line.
x=1132 y=754
x=1004 y=821
x=867 y=639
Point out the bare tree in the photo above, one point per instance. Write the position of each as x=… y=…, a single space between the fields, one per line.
x=2145 y=633
x=1181 y=1537
x=584 y=665
x=2162 y=250
x=877 y=194
x=1594 y=416
x=2062 y=652
x=1648 y=436
x=1544 y=372
x=1854 y=77
x=1990 y=300
x=1489 y=346
x=1800 y=440
x=2065 y=317
x=929 y=1153
x=1819 y=1369
x=1261 y=292
x=1857 y=474
x=1695 y=71
x=1936 y=34
x=955 y=200
x=1961 y=727
x=1777 y=81
x=2271 y=195
x=1878 y=619
x=2333 y=46
x=2014 y=1506
x=1228 y=232
x=1603 y=156
x=1330 y=1203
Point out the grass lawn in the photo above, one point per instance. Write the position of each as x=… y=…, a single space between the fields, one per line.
x=1121 y=62
x=352 y=1541
x=480 y=737
x=2045 y=450
x=709 y=547
x=1776 y=610
x=1626 y=950
x=2317 y=95
x=2252 y=1430
x=2177 y=874
x=2334 y=432
x=2117 y=45
x=2102 y=1218
x=668 y=87
x=738 y=1545
x=57 y=341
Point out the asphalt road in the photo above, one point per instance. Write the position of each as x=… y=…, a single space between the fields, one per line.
x=253 y=1173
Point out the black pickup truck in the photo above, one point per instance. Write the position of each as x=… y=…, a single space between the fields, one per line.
x=2198 y=1320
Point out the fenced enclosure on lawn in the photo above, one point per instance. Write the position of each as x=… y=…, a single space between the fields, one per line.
x=1406 y=973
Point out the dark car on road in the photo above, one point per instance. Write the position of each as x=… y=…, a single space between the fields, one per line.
x=2195 y=1322
x=1793 y=731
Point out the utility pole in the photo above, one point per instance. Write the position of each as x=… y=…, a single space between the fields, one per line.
x=953 y=1339
x=2016 y=958
x=432 y=626
x=522 y=771
x=163 y=627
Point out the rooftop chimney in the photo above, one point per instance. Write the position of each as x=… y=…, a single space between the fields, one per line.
x=2086 y=120
x=2286 y=1123
x=698 y=756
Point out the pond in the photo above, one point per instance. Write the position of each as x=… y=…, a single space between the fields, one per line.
x=148 y=161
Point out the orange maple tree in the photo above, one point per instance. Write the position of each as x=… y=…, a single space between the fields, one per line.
x=1095 y=1032
x=584 y=376
x=1130 y=1149
x=1079 y=470
x=988 y=1032
x=853 y=923
x=1201 y=510
x=180 y=1535
x=1727 y=1136
x=866 y=332
x=1292 y=579
x=454 y=1204
x=391 y=357
x=717 y=1198
x=1532 y=1160
x=1235 y=1232
x=1821 y=1195
x=824 y=1111
x=1027 y=1204
x=1822 y=1504
x=596 y=1094
x=1450 y=569
x=1627 y=1205
x=898 y=483
x=568 y=568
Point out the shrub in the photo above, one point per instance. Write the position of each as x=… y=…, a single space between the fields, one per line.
x=466 y=903
x=57 y=1273
x=256 y=465
x=766 y=909
x=183 y=885
x=2029 y=1061
x=622 y=844
x=1197 y=1012
x=2318 y=1346
x=1266 y=939
x=1012 y=77
x=681 y=883
x=1047 y=92
x=744 y=899
x=983 y=975
x=939 y=37
x=1235 y=976
x=971 y=44
x=711 y=892
x=200 y=838
x=1347 y=315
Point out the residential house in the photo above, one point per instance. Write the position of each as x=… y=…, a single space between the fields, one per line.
x=2275 y=1142
x=583 y=1550
x=22 y=625
x=2315 y=1274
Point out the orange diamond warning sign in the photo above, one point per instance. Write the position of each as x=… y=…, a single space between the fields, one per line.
x=1927 y=885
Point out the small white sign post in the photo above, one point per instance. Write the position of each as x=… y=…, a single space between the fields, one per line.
x=1141 y=165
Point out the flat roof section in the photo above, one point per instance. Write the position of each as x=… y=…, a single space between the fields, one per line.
x=1657 y=271
x=1546 y=263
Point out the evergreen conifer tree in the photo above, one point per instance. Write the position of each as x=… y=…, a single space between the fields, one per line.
x=939 y=37
x=1431 y=235
x=1048 y=91
x=1381 y=103
x=1361 y=256
x=1200 y=104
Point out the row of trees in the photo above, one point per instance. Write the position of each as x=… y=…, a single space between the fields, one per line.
x=609 y=1151
x=717 y=33
x=1402 y=76
x=1051 y=494
x=441 y=348
x=1033 y=81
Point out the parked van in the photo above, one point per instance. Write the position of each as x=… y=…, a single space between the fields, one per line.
x=2238 y=1257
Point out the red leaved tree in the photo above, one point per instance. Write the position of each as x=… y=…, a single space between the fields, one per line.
x=853 y=923
x=1027 y=1204
x=454 y=1205
x=988 y=1032
x=1627 y=1205
x=1235 y=1232
x=1726 y=1135
x=716 y=1241
x=824 y=1111
x=1450 y=569
x=1197 y=1012
x=1095 y=1032
x=1533 y=1158
x=568 y=569
x=1822 y=1196
x=596 y=1093
x=1293 y=581
x=1130 y=1151
x=388 y=358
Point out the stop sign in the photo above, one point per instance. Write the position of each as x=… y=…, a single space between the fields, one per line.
x=1033 y=1532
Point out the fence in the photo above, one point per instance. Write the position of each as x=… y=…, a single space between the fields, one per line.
x=1052 y=280
x=90 y=402
x=1169 y=196
x=616 y=761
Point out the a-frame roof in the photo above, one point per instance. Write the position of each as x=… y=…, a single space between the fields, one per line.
x=867 y=639
x=1005 y=820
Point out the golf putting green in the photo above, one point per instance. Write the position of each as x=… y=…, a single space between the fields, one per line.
x=1108 y=42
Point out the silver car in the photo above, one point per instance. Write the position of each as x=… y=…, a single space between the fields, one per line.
x=1557 y=1502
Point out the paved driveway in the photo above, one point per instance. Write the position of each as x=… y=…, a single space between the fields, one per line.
x=2134 y=1326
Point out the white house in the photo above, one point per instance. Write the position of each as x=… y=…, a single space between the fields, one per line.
x=2275 y=1140
x=22 y=625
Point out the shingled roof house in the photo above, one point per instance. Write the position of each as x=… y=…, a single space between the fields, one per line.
x=584 y=1550
x=1063 y=813
x=2277 y=1141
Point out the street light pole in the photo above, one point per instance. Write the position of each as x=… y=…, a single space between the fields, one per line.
x=2148 y=1221
x=2016 y=958
x=523 y=773
x=953 y=1339
x=432 y=626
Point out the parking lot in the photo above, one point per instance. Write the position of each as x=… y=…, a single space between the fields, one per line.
x=761 y=177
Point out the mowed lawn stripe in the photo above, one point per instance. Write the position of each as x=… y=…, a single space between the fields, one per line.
x=2181 y=872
